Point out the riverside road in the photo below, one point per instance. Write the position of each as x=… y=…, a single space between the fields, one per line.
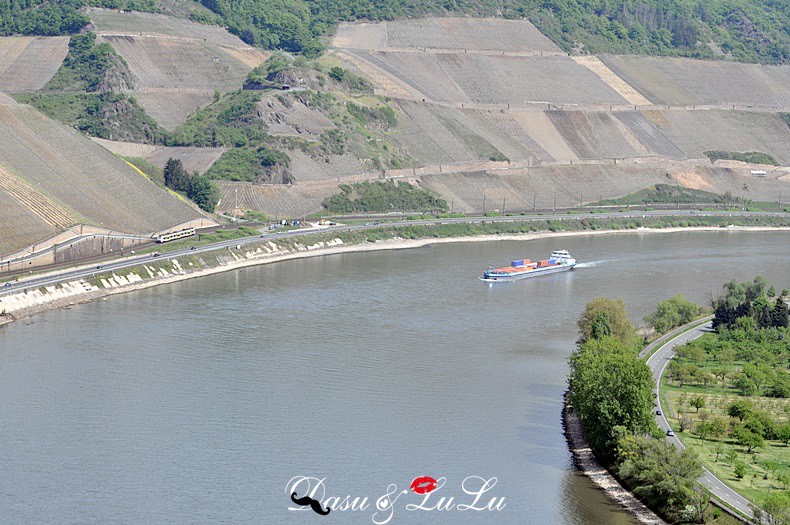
x=72 y=274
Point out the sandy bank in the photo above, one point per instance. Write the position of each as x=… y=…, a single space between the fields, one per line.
x=54 y=297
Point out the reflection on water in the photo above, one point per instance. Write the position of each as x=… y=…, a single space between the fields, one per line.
x=198 y=402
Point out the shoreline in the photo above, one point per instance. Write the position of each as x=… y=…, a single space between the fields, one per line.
x=395 y=243
x=587 y=464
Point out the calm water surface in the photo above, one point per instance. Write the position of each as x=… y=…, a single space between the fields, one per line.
x=198 y=402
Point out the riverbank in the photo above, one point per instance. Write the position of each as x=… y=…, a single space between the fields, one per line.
x=586 y=462
x=169 y=270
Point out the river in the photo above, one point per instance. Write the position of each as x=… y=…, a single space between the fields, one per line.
x=199 y=401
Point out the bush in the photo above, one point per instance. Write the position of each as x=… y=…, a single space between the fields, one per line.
x=672 y=313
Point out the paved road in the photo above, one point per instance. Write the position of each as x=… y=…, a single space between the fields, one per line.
x=70 y=275
x=657 y=363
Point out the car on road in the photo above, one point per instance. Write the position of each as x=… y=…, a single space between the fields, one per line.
x=658 y=412
x=99 y=267
x=193 y=248
x=8 y=285
x=670 y=433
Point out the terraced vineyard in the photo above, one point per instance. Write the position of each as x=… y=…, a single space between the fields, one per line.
x=194 y=159
x=108 y=21
x=171 y=107
x=178 y=65
x=306 y=168
x=491 y=79
x=694 y=132
x=278 y=201
x=517 y=189
x=686 y=82
x=76 y=174
x=6 y=100
x=447 y=33
x=19 y=225
x=29 y=62
x=31 y=198
x=596 y=135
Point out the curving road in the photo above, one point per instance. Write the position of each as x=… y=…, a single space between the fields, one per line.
x=657 y=363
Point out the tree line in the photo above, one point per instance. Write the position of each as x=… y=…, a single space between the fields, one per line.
x=611 y=391
x=199 y=189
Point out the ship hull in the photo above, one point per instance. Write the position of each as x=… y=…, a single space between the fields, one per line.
x=517 y=276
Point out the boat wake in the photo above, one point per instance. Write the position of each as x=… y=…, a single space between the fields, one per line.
x=591 y=264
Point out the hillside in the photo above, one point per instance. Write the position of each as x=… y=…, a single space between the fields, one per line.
x=28 y=63
x=481 y=111
x=744 y=30
x=177 y=65
x=498 y=118
x=51 y=178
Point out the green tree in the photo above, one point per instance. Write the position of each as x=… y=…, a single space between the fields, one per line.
x=740 y=470
x=621 y=325
x=692 y=352
x=601 y=327
x=775 y=509
x=661 y=475
x=740 y=409
x=779 y=313
x=610 y=386
x=718 y=426
x=204 y=192
x=746 y=438
x=745 y=386
x=698 y=402
x=784 y=433
x=176 y=177
x=703 y=429
x=672 y=313
x=337 y=73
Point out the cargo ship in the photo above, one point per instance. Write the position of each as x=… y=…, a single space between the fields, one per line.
x=558 y=261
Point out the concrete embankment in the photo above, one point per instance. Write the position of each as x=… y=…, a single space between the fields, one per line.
x=587 y=463
x=153 y=273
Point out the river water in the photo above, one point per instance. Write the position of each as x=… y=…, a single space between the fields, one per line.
x=198 y=402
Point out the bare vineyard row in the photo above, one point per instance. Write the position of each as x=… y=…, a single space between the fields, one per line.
x=35 y=201
x=28 y=63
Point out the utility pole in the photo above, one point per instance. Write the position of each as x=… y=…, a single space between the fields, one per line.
x=554 y=209
x=503 y=206
x=534 y=202
x=484 y=204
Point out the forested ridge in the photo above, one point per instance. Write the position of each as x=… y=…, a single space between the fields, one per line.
x=746 y=30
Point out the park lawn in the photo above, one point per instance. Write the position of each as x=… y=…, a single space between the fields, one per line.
x=759 y=479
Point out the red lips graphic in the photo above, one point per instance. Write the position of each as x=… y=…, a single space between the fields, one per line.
x=423 y=485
